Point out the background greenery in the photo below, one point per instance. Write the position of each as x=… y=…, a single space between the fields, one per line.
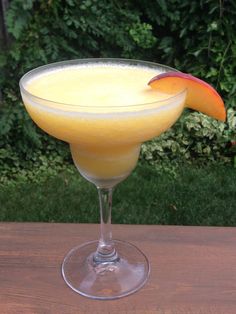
x=185 y=195
x=195 y=36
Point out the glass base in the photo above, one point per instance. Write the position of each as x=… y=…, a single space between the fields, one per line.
x=110 y=280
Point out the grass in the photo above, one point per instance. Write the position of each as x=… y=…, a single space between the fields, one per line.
x=190 y=196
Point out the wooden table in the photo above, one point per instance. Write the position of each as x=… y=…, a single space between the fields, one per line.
x=193 y=269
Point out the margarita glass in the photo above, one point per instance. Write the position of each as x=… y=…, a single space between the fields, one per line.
x=104 y=109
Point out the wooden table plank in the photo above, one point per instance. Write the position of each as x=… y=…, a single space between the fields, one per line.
x=193 y=269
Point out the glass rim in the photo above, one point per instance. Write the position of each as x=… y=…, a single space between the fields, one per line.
x=73 y=62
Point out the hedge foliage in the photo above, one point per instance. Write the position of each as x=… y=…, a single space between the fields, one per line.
x=197 y=37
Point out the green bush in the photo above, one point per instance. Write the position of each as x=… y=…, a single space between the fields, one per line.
x=195 y=137
x=195 y=37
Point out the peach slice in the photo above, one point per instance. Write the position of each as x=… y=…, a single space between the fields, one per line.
x=200 y=95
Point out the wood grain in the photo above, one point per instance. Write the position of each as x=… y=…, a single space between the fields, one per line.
x=193 y=269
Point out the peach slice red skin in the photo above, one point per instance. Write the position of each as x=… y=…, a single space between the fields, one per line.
x=200 y=95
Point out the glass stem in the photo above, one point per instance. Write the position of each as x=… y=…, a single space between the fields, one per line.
x=106 y=249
